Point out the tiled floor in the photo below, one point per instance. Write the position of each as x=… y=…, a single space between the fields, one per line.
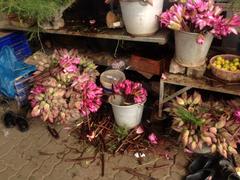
x=35 y=155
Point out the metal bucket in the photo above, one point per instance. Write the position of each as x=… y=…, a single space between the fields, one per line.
x=141 y=18
x=188 y=52
x=126 y=116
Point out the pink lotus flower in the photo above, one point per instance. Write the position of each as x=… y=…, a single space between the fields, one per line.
x=200 y=16
x=153 y=138
x=37 y=90
x=132 y=92
x=91 y=136
x=139 y=130
x=200 y=39
x=237 y=116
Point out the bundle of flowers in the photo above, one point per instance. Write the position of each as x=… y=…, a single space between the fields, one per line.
x=132 y=92
x=66 y=91
x=205 y=124
x=199 y=16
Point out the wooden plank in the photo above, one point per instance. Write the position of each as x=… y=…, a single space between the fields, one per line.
x=201 y=84
x=161 y=96
x=161 y=37
x=179 y=92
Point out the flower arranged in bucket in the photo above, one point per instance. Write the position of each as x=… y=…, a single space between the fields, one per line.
x=195 y=23
x=67 y=90
x=127 y=103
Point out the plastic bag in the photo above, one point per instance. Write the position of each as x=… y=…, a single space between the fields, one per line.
x=11 y=69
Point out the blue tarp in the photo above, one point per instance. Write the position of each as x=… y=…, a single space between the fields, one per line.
x=11 y=69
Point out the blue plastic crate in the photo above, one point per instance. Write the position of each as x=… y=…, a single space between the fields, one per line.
x=18 y=42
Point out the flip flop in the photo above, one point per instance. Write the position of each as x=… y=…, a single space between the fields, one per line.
x=9 y=119
x=204 y=174
x=197 y=164
x=22 y=124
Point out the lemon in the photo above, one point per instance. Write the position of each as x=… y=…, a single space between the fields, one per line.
x=219 y=58
x=218 y=62
x=226 y=62
x=236 y=60
x=218 y=66
x=233 y=68
x=236 y=63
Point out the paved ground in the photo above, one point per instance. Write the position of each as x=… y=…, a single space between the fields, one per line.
x=35 y=155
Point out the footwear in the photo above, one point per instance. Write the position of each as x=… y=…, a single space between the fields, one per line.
x=198 y=164
x=9 y=119
x=233 y=176
x=226 y=169
x=22 y=124
x=204 y=174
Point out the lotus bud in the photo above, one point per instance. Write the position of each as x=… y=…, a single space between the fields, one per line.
x=192 y=132
x=46 y=107
x=232 y=150
x=233 y=144
x=209 y=134
x=180 y=124
x=197 y=99
x=50 y=90
x=220 y=148
x=44 y=116
x=42 y=104
x=195 y=137
x=193 y=145
x=206 y=139
x=180 y=101
x=213 y=130
x=220 y=124
x=200 y=144
x=185 y=137
x=190 y=139
x=36 y=111
x=189 y=100
x=224 y=153
x=213 y=148
x=214 y=140
x=62 y=115
x=184 y=96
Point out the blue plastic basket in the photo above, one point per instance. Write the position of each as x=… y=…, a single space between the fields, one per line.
x=18 y=42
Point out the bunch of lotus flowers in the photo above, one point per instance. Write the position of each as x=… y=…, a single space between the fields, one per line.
x=205 y=124
x=66 y=92
x=132 y=92
x=200 y=16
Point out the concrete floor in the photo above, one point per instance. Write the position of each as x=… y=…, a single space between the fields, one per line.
x=36 y=155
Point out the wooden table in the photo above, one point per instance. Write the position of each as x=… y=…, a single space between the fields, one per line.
x=190 y=83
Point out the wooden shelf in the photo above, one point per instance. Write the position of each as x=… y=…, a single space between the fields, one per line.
x=182 y=80
x=161 y=37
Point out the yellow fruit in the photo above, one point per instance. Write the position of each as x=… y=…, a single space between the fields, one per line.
x=218 y=66
x=219 y=58
x=226 y=62
x=218 y=62
x=233 y=68
x=236 y=63
x=236 y=60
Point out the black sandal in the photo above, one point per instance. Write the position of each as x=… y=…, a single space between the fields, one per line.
x=22 y=124
x=9 y=119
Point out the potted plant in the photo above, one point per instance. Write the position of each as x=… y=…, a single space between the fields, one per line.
x=127 y=103
x=25 y=13
x=140 y=17
x=65 y=90
x=195 y=22
x=205 y=127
